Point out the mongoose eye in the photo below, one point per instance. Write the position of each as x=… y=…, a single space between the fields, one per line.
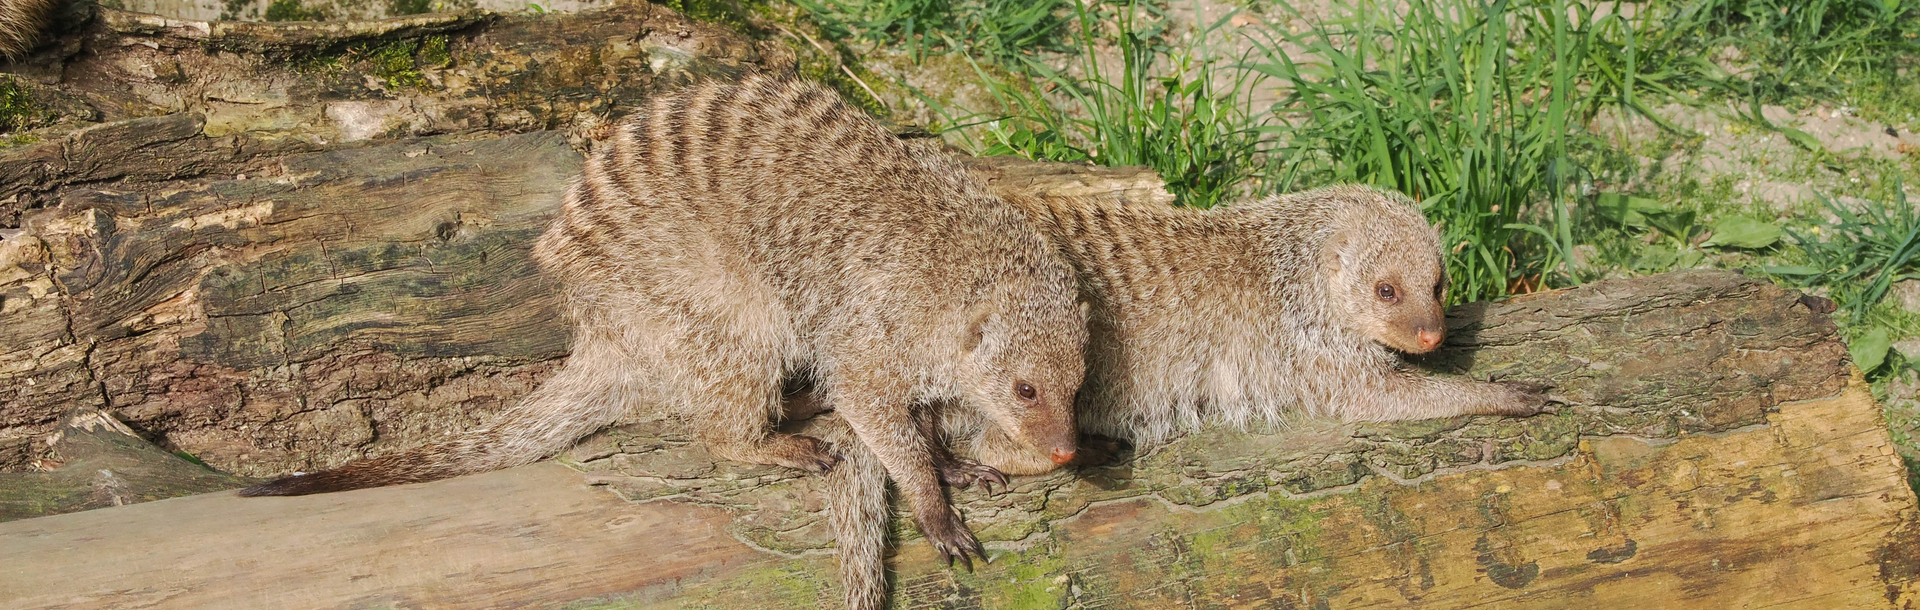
x=1025 y=391
x=1385 y=291
x=1439 y=292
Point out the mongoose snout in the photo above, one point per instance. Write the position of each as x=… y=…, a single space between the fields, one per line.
x=1418 y=335
x=1062 y=455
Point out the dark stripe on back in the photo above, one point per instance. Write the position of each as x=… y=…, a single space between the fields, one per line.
x=720 y=121
x=674 y=123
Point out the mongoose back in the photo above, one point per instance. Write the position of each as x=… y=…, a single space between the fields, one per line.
x=1294 y=303
x=21 y=24
x=730 y=236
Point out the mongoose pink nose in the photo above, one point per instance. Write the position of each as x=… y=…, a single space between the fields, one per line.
x=1428 y=340
x=1062 y=456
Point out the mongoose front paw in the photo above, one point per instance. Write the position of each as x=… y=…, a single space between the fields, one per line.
x=1523 y=398
x=961 y=473
x=951 y=538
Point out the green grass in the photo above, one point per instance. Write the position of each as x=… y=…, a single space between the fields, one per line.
x=998 y=30
x=292 y=10
x=1467 y=108
x=18 y=112
x=1481 y=109
x=1182 y=110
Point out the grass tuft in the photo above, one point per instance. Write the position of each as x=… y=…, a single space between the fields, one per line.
x=1183 y=110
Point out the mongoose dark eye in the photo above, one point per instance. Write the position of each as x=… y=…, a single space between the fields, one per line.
x=1385 y=291
x=1439 y=292
x=1026 y=392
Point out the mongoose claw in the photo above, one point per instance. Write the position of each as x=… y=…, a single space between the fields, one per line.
x=962 y=473
x=953 y=541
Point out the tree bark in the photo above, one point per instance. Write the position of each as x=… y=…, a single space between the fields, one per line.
x=281 y=247
x=1715 y=451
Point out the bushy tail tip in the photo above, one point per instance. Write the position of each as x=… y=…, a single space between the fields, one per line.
x=416 y=466
x=860 y=515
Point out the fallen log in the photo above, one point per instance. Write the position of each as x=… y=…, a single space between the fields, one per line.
x=1714 y=452
x=257 y=247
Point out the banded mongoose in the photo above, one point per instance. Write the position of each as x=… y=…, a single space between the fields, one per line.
x=21 y=24
x=731 y=236
x=1245 y=314
x=1248 y=314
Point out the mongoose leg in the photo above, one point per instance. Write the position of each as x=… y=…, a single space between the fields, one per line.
x=877 y=408
x=961 y=472
x=955 y=471
x=1401 y=395
x=739 y=399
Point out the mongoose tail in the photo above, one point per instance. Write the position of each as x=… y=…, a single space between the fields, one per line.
x=858 y=512
x=21 y=24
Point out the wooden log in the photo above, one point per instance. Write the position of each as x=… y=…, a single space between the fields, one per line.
x=282 y=246
x=1742 y=468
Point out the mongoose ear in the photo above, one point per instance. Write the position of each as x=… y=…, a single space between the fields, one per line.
x=1333 y=253
x=1086 y=311
x=977 y=319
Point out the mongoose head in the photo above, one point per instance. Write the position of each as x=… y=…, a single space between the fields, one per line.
x=1381 y=269
x=1024 y=361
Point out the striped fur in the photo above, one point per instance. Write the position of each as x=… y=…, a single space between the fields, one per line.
x=1255 y=312
x=1246 y=315
x=730 y=236
x=22 y=22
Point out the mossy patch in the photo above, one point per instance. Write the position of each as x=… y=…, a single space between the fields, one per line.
x=18 y=112
x=397 y=63
x=825 y=70
x=292 y=10
x=396 y=8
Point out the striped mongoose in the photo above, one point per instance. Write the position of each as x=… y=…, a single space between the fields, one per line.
x=1249 y=314
x=731 y=236
x=1246 y=314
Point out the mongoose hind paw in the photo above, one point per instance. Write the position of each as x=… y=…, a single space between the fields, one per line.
x=962 y=473
x=797 y=451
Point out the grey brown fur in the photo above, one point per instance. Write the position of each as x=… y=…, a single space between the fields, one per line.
x=1244 y=315
x=1259 y=310
x=21 y=24
x=732 y=236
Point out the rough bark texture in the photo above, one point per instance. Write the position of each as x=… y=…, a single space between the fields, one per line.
x=1714 y=453
x=280 y=247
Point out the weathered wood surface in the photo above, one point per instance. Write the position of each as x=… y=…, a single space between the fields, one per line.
x=281 y=246
x=268 y=247
x=95 y=461
x=1719 y=459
